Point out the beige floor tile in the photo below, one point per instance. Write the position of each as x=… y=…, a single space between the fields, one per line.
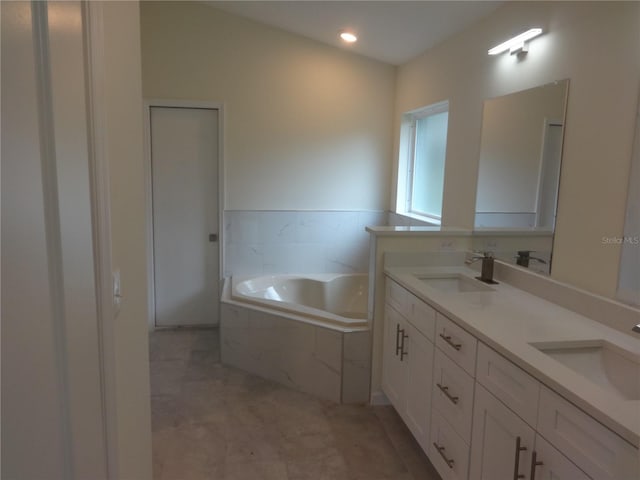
x=251 y=470
x=328 y=467
x=219 y=423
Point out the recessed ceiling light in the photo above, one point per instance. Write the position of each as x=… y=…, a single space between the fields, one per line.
x=348 y=37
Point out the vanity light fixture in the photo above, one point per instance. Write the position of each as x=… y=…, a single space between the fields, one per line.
x=517 y=44
x=348 y=37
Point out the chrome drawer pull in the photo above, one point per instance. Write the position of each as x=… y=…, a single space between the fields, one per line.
x=448 y=461
x=534 y=464
x=445 y=390
x=516 y=474
x=447 y=338
x=402 y=352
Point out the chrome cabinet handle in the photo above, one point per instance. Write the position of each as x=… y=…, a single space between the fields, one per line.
x=519 y=448
x=448 y=461
x=398 y=330
x=447 y=338
x=402 y=352
x=534 y=464
x=445 y=390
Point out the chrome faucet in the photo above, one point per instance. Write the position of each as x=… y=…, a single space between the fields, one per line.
x=524 y=257
x=636 y=328
x=486 y=272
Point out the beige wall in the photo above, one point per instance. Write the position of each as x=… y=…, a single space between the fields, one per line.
x=124 y=148
x=307 y=126
x=595 y=45
x=511 y=147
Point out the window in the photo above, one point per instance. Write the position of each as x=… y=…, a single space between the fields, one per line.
x=423 y=146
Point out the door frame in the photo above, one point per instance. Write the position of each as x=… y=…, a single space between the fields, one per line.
x=148 y=103
x=93 y=32
x=543 y=166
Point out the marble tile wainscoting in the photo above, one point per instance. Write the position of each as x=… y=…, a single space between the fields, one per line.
x=268 y=241
x=325 y=362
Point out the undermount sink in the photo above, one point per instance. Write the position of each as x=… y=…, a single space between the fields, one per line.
x=454 y=283
x=607 y=365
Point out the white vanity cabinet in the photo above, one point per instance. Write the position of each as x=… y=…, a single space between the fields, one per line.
x=408 y=358
x=598 y=451
x=453 y=392
x=512 y=407
x=478 y=415
x=506 y=447
x=551 y=464
x=394 y=371
x=502 y=442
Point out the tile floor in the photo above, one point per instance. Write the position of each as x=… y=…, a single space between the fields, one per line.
x=216 y=422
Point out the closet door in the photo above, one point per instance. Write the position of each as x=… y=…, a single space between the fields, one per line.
x=184 y=159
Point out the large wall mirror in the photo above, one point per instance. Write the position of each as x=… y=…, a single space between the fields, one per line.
x=629 y=277
x=520 y=156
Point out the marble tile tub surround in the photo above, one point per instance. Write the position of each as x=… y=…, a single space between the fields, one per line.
x=296 y=241
x=214 y=421
x=331 y=363
x=509 y=320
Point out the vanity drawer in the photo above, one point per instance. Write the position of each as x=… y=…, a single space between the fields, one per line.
x=453 y=394
x=516 y=388
x=422 y=316
x=448 y=452
x=593 y=447
x=459 y=345
x=396 y=296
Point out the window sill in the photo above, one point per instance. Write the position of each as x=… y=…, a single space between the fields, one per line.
x=428 y=221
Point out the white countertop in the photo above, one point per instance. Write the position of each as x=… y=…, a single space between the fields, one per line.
x=509 y=319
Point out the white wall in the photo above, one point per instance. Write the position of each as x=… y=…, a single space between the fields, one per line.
x=307 y=126
x=54 y=390
x=595 y=46
x=124 y=148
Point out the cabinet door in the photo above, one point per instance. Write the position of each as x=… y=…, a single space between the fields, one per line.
x=502 y=442
x=418 y=395
x=597 y=450
x=394 y=371
x=553 y=465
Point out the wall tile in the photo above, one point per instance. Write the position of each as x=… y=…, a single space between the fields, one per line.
x=298 y=241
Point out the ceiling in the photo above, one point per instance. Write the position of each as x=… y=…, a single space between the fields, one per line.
x=389 y=31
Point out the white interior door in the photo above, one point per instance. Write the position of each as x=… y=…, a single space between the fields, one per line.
x=184 y=159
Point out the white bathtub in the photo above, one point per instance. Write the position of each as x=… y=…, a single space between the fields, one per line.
x=308 y=332
x=338 y=299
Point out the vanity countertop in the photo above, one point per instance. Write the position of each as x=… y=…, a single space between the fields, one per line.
x=509 y=320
